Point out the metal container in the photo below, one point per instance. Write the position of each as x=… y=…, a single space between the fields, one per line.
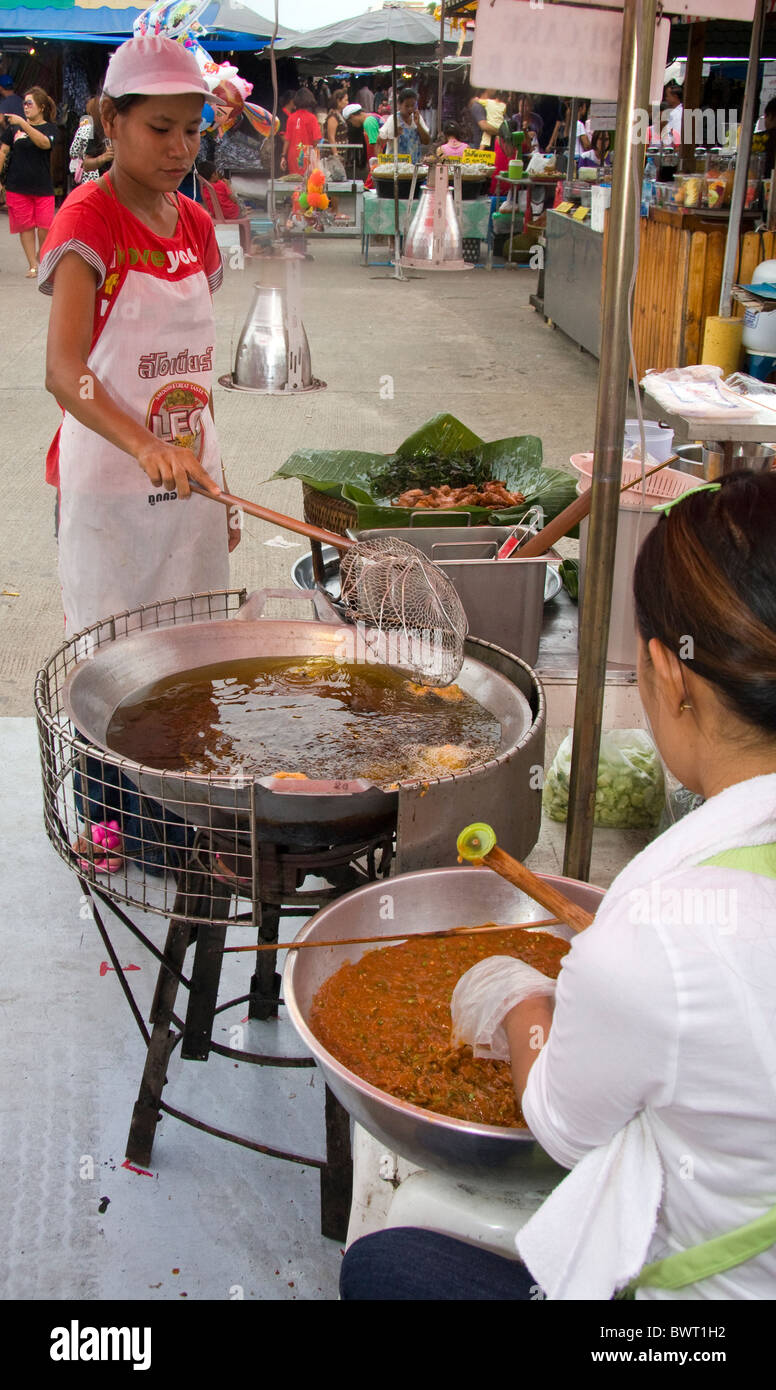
x=420 y=238
x=295 y=813
x=261 y=361
x=436 y=899
x=716 y=461
x=503 y=599
x=690 y=460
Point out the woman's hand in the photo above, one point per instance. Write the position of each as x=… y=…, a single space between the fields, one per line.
x=283 y=162
x=483 y=998
x=168 y=466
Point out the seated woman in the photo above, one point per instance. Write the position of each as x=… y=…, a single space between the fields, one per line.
x=231 y=207
x=659 y=1048
x=598 y=156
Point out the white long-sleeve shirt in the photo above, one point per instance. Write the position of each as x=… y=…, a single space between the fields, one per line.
x=667 y=1005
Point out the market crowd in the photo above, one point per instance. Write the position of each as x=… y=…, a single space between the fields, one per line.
x=343 y=124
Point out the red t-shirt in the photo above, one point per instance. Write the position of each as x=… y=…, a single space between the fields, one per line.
x=302 y=130
x=116 y=244
x=229 y=208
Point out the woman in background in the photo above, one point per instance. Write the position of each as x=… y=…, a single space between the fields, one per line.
x=25 y=164
x=302 y=135
x=90 y=152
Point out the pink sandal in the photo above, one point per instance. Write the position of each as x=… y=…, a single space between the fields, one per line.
x=106 y=836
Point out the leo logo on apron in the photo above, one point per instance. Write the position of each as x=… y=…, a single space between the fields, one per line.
x=175 y=415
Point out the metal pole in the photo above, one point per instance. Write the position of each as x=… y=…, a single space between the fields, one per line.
x=742 y=161
x=398 y=273
x=638 y=30
x=271 y=211
x=441 y=80
x=571 y=147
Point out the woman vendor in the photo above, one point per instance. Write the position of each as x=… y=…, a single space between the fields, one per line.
x=649 y=1071
x=131 y=267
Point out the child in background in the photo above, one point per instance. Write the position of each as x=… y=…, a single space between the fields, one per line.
x=495 y=111
x=454 y=146
x=231 y=208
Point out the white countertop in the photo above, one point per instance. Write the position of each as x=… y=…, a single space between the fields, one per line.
x=759 y=428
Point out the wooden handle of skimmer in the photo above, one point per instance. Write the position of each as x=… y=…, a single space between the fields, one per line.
x=476 y=838
x=566 y=520
x=288 y=523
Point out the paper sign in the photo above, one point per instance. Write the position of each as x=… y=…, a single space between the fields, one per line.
x=561 y=50
x=580 y=214
x=603 y=115
x=478 y=157
x=563 y=207
x=387 y=158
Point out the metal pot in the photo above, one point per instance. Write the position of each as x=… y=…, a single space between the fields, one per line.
x=293 y=813
x=435 y=899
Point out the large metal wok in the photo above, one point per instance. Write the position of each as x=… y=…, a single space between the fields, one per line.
x=434 y=898
x=296 y=813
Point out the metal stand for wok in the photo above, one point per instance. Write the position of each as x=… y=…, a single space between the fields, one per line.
x=198 y=885
x=173 y=871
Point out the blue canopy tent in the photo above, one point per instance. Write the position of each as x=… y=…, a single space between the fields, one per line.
x=232 y=28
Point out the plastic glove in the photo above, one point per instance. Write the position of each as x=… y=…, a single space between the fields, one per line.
x=485 y=995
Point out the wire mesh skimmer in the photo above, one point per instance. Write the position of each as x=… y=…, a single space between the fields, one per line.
x=412 y=616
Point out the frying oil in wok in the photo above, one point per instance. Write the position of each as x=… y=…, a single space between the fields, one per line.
x=315 y=717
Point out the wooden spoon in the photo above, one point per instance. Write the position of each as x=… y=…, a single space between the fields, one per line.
x=477 y=843
x=288 y=523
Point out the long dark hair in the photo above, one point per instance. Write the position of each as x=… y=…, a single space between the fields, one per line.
x=705 y=585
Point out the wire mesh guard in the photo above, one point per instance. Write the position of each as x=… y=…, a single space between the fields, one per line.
x=176 y=843
x=411 y=606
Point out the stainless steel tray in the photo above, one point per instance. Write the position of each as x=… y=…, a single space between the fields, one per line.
x=303 y=577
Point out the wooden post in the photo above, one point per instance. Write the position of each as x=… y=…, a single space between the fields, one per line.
x=693 y=86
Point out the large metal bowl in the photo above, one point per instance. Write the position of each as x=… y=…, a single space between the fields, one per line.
x=414 y=902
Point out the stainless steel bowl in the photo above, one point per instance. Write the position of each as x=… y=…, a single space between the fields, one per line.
x=414 y=902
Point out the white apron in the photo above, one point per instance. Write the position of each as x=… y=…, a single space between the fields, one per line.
x=123 y=542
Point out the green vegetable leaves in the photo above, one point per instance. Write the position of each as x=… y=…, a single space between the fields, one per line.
x=430 y=456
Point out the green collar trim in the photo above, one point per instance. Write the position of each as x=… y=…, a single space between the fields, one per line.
x=752 y=859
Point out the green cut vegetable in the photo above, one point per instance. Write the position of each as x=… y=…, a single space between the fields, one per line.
x=630 y=786
x=569 y=573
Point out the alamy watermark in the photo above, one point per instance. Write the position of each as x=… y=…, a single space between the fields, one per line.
x=687 y=906
x=700 y=125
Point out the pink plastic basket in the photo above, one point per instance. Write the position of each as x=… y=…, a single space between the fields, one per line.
x=661 y=487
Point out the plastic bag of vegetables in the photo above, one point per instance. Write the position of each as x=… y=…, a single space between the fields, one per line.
x=629 y=790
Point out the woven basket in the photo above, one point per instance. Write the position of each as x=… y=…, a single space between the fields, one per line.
x=331 y=513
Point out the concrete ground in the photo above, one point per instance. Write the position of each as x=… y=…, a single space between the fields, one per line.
x=211 y=1221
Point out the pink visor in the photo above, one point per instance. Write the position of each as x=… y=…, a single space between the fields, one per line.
x=155 y=66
